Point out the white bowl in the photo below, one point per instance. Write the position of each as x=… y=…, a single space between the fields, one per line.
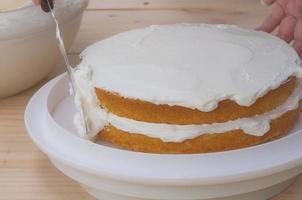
x=109 y=173
x=28 y=46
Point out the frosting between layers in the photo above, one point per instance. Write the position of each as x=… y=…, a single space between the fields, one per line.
x=194 y=66
x=256 y=126
x=85 y=98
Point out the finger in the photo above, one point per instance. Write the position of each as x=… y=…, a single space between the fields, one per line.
x=298 y=7
x=298 y=37
x=273 y=20
x=284 y=3
x=37 y=2
x=287 y=28
x=298 y=47
x=267 y=2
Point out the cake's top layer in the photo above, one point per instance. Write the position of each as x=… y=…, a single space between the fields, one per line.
x=195 y=66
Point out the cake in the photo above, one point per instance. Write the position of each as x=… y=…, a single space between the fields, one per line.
x=188 y=88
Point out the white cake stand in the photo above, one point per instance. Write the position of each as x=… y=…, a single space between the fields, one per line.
x=108 y=173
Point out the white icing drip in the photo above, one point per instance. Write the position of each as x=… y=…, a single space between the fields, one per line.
x=194 y=66
x=257 y=125
x=96 y=117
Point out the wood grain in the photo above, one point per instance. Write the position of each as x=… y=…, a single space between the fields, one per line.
x=174 y=4
x=25 y=172
x=99 y=24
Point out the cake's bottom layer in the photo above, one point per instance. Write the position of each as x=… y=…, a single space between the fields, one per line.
x=205 y=143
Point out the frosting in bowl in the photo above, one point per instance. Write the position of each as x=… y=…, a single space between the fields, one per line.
x=27 y=20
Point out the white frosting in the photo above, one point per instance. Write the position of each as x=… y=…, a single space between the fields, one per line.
x=257 y=125
x=86 y=97
x=194 y=66
x=27 y=20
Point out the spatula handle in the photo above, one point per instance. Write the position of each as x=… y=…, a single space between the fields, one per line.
x=47 y=5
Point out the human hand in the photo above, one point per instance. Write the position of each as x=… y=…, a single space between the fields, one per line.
x=287 y=15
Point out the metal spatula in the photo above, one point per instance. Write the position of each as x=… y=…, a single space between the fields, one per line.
x=47 y=6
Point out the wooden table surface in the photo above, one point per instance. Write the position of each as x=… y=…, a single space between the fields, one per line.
x=25 y=172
